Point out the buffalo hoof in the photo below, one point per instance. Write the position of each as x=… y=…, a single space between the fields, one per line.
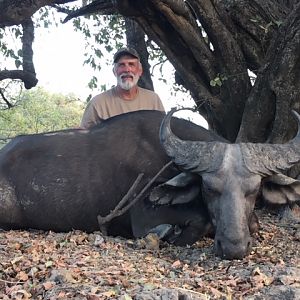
x=162 y=230
x=151 y=242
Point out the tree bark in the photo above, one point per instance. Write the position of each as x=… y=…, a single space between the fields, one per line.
x=267 y=115
x=14 y=12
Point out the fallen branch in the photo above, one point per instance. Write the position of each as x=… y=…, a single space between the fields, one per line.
x=121 y=208
x=117 y=211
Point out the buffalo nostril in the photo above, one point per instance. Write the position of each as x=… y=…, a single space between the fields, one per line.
x=236 y=249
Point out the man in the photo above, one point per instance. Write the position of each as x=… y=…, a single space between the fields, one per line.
x=127 y=96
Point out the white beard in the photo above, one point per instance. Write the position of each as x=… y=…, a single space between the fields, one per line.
x=127 y=84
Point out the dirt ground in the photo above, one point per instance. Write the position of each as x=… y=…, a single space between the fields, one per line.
x=76 y=265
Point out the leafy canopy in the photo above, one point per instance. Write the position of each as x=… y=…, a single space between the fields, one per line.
x=41 y=111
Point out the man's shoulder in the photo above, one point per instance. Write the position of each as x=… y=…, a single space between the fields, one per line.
x=146 y=92
x=150 y=99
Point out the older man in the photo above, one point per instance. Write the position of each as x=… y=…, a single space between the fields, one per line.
x=127 y=96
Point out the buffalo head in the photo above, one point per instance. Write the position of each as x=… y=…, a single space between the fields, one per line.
x=232 y=176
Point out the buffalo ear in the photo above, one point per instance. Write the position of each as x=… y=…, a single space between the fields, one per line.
x=281 y=189
x=180 y=189
x=170 y=195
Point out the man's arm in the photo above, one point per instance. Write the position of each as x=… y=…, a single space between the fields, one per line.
x=90 y=117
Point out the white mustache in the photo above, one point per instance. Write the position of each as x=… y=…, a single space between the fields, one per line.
x=127 y=84
x=126 y=74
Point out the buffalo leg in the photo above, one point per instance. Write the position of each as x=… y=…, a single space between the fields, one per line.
x=192 y=220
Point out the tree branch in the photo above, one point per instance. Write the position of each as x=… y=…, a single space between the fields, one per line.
x=9 y=105
x=120 y=209
x=101 y=7
x=62 y=9
x=27 y=40
x=29 y=79
x=161 y=30
x=63 y=1
x=27 y=75
x=14 y=12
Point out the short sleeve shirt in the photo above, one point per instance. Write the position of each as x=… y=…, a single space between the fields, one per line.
x=109 y=104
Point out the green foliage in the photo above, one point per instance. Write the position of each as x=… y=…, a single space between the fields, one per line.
x=10 y=36
x=103 y=34
x=266 y=28
x=93 y=83
x=41 y=111
x=218 y=81
x=11 y=91
x=47 y=17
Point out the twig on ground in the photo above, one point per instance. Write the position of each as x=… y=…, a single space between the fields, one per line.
x=117 y=211
x=11 y=282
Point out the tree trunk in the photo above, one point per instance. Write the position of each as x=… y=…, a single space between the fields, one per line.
x=219 y=41
x=136 y=39
x=276 y=91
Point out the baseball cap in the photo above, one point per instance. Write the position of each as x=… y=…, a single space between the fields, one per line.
x=125 y=51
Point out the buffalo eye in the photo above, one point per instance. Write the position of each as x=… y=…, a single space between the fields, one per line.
x=210 y=187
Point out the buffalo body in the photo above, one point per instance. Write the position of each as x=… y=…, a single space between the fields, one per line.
x=63 y=180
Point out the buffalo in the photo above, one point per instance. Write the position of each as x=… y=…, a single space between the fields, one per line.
x=63 y=180
x=232 y=176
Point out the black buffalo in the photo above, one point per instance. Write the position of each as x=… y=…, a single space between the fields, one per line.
x=63 y=180
x=232 y=177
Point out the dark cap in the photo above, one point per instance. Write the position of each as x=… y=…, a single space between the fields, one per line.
x=125 y=51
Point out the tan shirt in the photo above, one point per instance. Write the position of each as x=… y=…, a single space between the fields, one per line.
x=108 y=104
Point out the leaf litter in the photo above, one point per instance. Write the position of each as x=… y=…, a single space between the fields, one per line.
x=76 y=265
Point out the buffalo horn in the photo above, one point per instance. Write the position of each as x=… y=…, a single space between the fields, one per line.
x=268 y=159
x=195 y=156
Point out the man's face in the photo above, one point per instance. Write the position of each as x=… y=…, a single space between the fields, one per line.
x=128 y=70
